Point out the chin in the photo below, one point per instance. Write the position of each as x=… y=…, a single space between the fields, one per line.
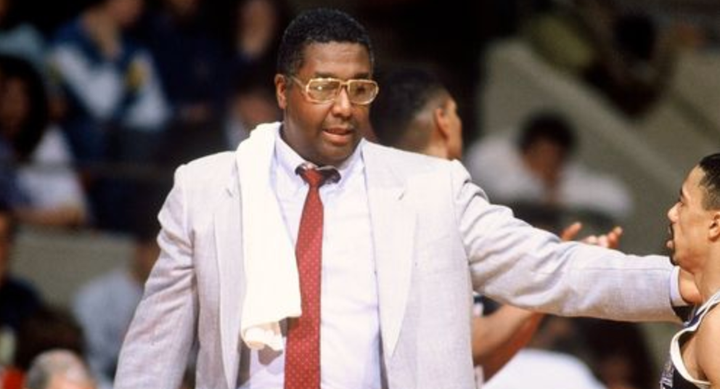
x=337 y=155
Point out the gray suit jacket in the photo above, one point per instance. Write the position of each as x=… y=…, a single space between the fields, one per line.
x=436 y=237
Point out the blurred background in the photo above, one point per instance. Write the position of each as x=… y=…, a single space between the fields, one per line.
x=583 y=110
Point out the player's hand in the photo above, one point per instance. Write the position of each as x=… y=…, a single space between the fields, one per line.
x=609 y=240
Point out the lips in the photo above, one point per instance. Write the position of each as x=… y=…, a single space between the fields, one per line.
x=339 y=136
x=340 y=131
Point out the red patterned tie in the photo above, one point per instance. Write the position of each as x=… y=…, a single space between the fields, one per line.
x=302 y=356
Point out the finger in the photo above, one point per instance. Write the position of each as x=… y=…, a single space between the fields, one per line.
x=614 y=237
x=571 y=231
x=592 y=239
x=603 y=241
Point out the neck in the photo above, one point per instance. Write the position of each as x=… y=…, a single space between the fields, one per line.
x=708 y=281
x=434 y=149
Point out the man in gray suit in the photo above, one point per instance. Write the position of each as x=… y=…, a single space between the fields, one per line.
x=405 y=240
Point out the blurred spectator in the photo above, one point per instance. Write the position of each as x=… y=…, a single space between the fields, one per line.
x=110 y=82
x=550 y=361
x=625 y=55
x=58 y=369
x=251 y=103
x=19 y=132
x=49 y=188
x=538 y=171
x=116 y=109
x=18 y=299
x=256 y=32
x=190 y=62
x=619 y=353
x=115 y=294
x=634 y=66
x=47 y=329
x=19 y=38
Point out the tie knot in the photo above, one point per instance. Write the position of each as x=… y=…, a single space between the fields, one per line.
x=316 y=177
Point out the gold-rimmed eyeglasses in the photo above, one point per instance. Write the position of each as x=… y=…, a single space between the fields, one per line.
x=326 y=89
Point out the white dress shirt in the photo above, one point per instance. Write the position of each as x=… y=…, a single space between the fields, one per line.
x=349 y=329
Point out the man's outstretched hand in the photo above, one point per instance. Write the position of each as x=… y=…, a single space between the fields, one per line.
x=609 y=240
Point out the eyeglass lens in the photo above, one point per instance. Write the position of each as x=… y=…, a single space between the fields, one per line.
x=359 y=91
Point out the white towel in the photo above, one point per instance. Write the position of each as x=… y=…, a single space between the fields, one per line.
x=272 y=290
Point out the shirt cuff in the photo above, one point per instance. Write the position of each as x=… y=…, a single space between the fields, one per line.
x=675 y=297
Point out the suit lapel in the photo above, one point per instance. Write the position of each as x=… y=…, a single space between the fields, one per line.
x=393 y=226
x=228 y=238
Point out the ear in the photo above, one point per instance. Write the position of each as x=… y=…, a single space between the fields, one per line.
x=442 y=121
x=281 y=88
x=714 y=231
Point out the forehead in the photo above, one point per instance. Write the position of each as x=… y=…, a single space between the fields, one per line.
x=61 y=382
x=334 y=59
x=691 y=186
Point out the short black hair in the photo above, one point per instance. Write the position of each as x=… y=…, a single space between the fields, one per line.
x=406 y=92
x=710 y=165
x=48 y=327
x=548 y=126
x=319 y=25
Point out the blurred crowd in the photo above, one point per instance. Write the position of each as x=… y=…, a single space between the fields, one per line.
x=99 y=102
x=98 y=110
x=101 y=99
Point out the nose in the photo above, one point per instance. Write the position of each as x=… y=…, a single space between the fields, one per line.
x=672 y=213
x=342 y=105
